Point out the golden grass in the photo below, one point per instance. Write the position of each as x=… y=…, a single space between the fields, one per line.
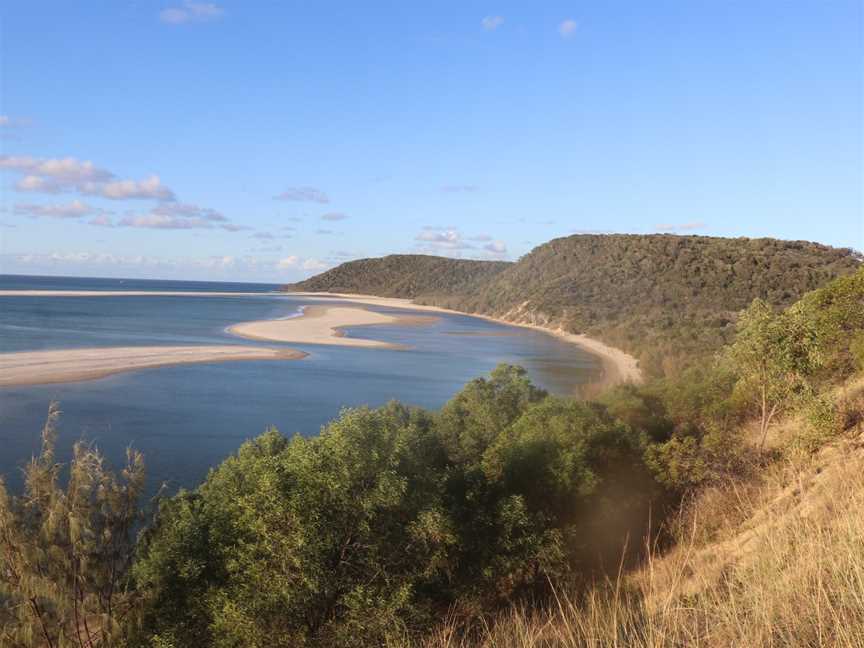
x=778 y=563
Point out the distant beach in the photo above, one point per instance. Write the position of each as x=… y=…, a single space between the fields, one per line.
x=72 y=365
x=325 y=325
x=618 y=367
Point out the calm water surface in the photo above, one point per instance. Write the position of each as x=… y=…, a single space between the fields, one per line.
x=186 y=419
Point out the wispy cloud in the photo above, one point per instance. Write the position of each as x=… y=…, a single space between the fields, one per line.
x=179 y=216
x=496 y=248
x=163 y=221
x=149 y=188
x=680 y=227
x=567 y=28
x=74 y=209
x=61 y=175
x=191 y=12
x=463 y=188
x=295 y=262
x=303 y=194
x=334 y=216
x=491 y=23
x=449 y=241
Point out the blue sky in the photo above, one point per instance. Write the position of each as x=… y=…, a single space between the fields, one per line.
x=269 y=140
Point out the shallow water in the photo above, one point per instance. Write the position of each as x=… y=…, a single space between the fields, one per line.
x=188 y=418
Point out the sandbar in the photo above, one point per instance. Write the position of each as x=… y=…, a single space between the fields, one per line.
x=132 y=293
x=73 y=365
x=618 y=366
x=325 y=325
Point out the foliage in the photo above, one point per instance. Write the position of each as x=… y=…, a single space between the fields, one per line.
x=773 y=356
x=836 y=315
x=403 y=275
x=65 y=554
x=369 y=531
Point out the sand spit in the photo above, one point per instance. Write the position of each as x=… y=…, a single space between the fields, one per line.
x=130 y=293
x=72 y=365
x=325 y=325
x=618 y=367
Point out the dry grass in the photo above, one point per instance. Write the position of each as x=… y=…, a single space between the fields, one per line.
x=778 y=563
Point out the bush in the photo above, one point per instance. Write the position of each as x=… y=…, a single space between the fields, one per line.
x=369 y=531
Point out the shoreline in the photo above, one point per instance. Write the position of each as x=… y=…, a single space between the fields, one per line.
x=325 y=325
x=25 y=368
x=618 y=367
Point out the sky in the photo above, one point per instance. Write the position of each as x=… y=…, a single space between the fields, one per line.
x=267 y=141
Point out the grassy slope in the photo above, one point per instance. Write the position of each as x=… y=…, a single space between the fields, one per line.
x=665 y=299
x=774 y=561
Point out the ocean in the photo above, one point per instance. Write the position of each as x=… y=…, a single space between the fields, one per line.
x=188 y=418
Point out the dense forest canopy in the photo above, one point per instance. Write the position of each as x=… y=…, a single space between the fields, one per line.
x=405 y=275
x=668 y=300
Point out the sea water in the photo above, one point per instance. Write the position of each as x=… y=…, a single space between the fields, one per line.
x=188 y=418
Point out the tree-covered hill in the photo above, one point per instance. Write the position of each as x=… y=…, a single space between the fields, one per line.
x=666 y=299
x=405 y=275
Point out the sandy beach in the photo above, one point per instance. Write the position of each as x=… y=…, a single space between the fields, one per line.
x=128 y=293
x=325 y=325
x=618 y=367
x=72 y=365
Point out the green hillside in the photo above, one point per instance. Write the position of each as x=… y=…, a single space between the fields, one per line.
x=666 y=299
x=405 y=275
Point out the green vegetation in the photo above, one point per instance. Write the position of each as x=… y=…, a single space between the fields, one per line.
x=671 y=301
x=509 y=517
x=65 y=554
x=405 y=275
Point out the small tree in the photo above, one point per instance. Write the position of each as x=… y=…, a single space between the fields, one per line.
x=773 y=355
x=65 y=554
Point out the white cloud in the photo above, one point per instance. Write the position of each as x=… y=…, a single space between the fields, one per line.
x=185 y=209
x=334 y=216
x=304 y=194
x=449 y=241
x=496 y=248
x=567 y=28
x=149 y=188
x=58 y=175
x=162 y=221
x=64 y=170
x=74 y=209
x=295 y=262
x=314 y=265
x=38 y=184
x=191 y=12
x=680 y=227
x=491 y=23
